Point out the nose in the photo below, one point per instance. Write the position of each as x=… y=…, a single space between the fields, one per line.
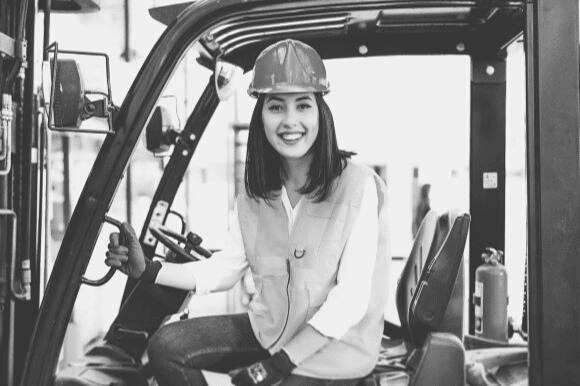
x=291 y=117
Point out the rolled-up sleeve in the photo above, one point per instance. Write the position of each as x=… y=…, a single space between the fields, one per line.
x=348 y=301
x=218 y=273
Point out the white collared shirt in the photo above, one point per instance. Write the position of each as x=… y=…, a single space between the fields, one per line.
x=290 y=212
x=346 y=303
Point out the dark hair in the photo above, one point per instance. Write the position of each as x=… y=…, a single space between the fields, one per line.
x=263 y=175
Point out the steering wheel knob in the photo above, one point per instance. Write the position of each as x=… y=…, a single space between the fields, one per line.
x=194 y=239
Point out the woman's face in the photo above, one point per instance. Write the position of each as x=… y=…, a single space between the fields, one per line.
x=291 y=123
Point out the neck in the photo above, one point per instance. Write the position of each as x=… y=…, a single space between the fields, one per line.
x=296 y=172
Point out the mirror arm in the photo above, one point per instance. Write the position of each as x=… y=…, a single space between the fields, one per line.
x=98 y=108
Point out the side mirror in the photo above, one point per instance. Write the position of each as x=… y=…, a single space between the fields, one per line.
x=226 y=77
x=68 y=100
x=162 y=129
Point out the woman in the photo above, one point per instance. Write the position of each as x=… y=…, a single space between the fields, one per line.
x=312 y=230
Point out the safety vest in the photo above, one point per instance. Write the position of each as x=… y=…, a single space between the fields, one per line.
x=293 y=274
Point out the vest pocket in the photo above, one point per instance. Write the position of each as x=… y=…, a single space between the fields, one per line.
x=269 y=307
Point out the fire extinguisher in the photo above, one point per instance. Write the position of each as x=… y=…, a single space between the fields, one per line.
x=491 y=297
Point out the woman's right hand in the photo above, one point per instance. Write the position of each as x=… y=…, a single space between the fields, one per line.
x=125 y=252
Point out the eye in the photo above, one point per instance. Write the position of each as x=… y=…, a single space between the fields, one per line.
x=304 y=106
x=275 y=108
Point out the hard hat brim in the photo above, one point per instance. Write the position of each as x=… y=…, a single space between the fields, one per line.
x=287 y=89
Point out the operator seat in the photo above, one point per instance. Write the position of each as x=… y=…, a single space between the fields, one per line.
x=424 y=355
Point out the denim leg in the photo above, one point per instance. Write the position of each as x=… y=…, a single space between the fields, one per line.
x=301 y=380
x=179 y=351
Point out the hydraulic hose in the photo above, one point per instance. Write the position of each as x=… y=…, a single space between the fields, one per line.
x=25 y=280
x=6 y=116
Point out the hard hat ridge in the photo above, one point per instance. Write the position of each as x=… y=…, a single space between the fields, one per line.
x=288 y=66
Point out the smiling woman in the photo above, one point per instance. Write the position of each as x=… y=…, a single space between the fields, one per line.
x=311 y=229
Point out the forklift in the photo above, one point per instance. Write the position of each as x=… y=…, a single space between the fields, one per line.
x=225 y=37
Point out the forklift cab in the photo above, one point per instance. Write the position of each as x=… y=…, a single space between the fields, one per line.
x=227 y=37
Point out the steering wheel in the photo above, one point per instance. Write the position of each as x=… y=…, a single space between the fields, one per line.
x=192 y=251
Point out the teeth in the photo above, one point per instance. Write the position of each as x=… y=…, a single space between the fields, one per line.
x=291 y=136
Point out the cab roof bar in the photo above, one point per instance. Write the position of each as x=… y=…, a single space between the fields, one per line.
x=480 y=28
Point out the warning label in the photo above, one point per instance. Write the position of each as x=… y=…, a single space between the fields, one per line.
x=478 y=301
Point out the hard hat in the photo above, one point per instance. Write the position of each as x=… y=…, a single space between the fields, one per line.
x=288 y=66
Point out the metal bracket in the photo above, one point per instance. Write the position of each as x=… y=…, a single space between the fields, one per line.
x=157 y=217
x=492 y=71
x=20 y=50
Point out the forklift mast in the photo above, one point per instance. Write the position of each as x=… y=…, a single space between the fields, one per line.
x=20 y=173
x=23 y=147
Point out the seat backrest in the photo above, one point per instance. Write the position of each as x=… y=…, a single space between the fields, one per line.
x=430 y=273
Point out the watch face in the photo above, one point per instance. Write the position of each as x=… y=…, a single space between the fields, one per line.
x=258 y=373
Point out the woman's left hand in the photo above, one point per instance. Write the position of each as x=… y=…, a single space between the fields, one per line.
x=264 y=373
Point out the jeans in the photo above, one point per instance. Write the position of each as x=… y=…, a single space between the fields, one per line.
x=179 y=351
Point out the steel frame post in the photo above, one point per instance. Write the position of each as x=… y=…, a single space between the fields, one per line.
x=553 y=192
x=27 y=311
x=487 y=164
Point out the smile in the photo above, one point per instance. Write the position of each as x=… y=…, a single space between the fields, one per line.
x=291 y=136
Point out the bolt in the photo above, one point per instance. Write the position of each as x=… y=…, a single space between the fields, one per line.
x=363 y=50
x=184 y=153
x=460 y=47
x=490 y=70
x=192 y=137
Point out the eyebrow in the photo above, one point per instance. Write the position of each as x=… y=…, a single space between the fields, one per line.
x=274 y=98
x=300 y=99
x=306 y=97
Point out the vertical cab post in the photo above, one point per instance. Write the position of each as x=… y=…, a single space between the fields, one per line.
x=487 y=164
x=553 y=192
